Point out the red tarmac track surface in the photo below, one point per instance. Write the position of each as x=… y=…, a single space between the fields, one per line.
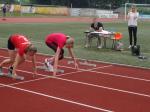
x=52 y=20
x=104 y=88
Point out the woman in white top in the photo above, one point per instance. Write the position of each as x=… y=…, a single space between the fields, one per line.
x=132 y=25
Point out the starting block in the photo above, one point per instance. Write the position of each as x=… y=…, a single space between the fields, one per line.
x=11 y=76
x=70 y=62
x=85 y=62
x=46 y=69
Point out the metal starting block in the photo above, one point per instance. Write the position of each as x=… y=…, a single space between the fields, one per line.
x=11 y=76
x=86 y=63
x=46 y=69
x=70 y=62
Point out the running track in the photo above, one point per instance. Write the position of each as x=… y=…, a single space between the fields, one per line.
x=106 y=88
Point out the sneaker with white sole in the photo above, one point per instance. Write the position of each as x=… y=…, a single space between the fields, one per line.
x=130 y=46
x=1 y=72
x=48 y=64
x=10 y=70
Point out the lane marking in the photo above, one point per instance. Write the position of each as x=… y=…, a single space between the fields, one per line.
x=88 y=70
x=98 y=61
x=91 y=70
x=44 y=76
x=92 y=85
x=23 y=82
x=65 y=66
x=57 y=98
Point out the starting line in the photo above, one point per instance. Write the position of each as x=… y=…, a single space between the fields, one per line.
x=43 y=67
x=85 y=62
x=17 y=77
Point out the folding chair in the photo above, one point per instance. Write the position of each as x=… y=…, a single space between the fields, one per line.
x=117 y=37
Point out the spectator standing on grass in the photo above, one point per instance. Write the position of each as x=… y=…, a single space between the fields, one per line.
x=56 y=41
x=132 y=26
x=24 y=50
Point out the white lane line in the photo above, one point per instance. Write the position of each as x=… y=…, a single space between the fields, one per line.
x=97 y=61
x=23 y=82
x=117 y=75
x=57 y=98
x=93 y=85
x=91 y=70
x=44 y=76
x=67 y=66
x=127 y=77
x=111 y=74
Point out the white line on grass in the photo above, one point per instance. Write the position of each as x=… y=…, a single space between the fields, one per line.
x=57 y=98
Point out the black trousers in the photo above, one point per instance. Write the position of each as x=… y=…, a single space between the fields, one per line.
x=54 y=46
x=132 y=35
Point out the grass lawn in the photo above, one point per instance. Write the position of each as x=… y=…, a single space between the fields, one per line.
x=38 y=31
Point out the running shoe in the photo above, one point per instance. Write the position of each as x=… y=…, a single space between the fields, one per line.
x=48 y=64
x=1 y=72
x=10 y=70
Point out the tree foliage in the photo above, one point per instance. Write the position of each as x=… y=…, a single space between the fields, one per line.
x=79 y=3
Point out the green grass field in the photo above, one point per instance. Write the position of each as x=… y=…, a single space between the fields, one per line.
x=38 y=31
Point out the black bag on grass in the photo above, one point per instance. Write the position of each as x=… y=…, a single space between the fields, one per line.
x=135 y=50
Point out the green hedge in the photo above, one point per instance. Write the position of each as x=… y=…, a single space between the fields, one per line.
x=144 y=10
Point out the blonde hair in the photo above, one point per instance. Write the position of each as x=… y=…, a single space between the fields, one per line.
x=31 y=48
x=133 y=7
x=69 y=40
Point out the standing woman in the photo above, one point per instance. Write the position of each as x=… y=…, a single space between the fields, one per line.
x=132 y=26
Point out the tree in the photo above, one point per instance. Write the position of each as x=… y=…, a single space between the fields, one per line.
x=42 y=2
x=80 y=3
x=7 y=1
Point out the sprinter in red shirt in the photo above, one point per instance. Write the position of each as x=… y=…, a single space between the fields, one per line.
x=24 y=50
x=56 y=41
